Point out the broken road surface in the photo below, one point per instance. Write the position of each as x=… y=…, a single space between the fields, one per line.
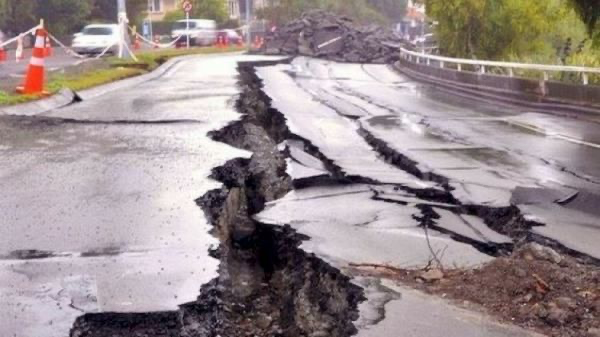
x=98 y=200
x=353 y=163
x=415 y=138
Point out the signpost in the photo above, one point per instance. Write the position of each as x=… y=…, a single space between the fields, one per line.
x=248 y=25
x=187 y=7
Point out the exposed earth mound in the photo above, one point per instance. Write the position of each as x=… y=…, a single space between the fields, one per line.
x=325 y=35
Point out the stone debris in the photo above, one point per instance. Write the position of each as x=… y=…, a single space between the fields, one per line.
x=534 y=251
x=593 y=332
x=431 y=275
x=325 y=35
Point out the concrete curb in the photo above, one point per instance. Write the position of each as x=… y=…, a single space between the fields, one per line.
x=132 y=81
x=62 y=98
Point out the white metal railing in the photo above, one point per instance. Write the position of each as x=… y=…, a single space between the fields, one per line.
x=510 y=66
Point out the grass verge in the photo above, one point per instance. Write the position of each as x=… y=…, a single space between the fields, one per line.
x=118 y=69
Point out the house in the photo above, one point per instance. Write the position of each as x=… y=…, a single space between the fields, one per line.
x=158 y=8
x=413 y=24
x=236 y=8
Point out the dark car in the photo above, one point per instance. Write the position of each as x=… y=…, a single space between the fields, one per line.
x=230 y=36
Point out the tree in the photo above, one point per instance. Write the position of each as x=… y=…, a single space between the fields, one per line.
x=392 y=9
x=589 y=11
x=62 y=17
x=494 y=29
x=17 y=16
x=282 y=11
x=173 y=16
x=106 y=11
x=210 y=9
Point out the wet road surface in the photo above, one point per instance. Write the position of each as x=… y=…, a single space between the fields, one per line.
x=98 y=200
x=98 y=210
x=361 y=117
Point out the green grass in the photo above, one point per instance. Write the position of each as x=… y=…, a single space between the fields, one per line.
x=91 y=79
x=12 y=99
x=119 y=69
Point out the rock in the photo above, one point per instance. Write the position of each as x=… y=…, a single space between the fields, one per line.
x=431 y=275
x=566 y=303
x=534 y=251
x=264 y=321
x=540 y=311
x=520 y=272
x=596 y=306
x=593 y=332
x=557 y=316
x=319 y=334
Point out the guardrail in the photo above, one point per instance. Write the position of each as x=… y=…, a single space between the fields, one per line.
x=544 y=68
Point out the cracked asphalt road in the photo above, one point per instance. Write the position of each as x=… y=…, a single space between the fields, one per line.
x=97 y=201
x=360 y=117
x=484 y=151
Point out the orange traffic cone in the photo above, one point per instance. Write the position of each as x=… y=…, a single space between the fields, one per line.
x=2 y=52
x=136 y=43
x=34 y=80
x=48 y=48
x=257 y=42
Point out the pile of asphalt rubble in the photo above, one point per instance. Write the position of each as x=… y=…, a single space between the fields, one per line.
x=337 y=38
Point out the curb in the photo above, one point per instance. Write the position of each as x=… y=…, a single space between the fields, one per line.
x=100 y=90
x=62 y=98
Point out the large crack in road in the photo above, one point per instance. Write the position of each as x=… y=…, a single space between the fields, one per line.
x=268 y=284
x=299 y=219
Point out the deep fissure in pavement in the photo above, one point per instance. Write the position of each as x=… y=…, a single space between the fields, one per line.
x=267 y=286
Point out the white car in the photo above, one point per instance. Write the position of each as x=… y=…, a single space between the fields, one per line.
x=94 y=39
x=201 y=32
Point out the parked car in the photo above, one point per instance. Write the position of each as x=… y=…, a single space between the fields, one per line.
x=231 y=36
x=94 y=39
x=201 y=32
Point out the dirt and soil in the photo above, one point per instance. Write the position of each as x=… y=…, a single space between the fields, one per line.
x=535 y=288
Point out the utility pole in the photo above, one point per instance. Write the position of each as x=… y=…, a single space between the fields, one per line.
x=248 y=37
x=123 y=25
x=121 y=14
x=150 y=32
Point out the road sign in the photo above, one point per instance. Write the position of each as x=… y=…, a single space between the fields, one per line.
x=187 y=6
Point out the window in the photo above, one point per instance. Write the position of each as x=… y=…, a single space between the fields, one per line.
x=97 y=31
x=155 y=6
x=233 y=8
